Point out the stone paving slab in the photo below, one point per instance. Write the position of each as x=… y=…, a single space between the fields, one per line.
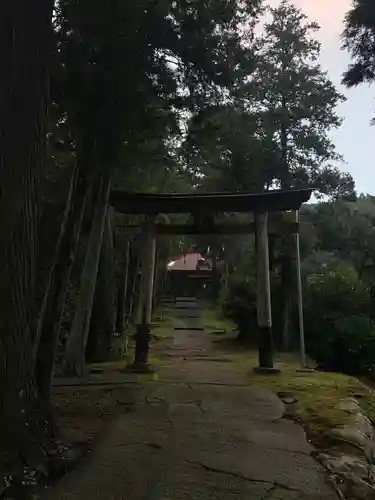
x=201 y=434
x=159 y=453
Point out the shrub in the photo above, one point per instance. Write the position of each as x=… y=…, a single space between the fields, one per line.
x=239 y=305
x=339 y=331
x=336 y=290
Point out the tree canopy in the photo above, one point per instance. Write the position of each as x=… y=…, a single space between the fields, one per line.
x=125 y=73
x=359 y=40
x=275 y=128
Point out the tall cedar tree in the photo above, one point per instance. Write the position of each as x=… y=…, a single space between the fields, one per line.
x=296 y=102
x=25 y=50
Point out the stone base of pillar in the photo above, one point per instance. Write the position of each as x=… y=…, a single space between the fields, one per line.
x=259 y=370
x=139 y=368
x=265 y=347
x=142 y=344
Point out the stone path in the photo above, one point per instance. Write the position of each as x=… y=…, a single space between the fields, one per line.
x=199 y=433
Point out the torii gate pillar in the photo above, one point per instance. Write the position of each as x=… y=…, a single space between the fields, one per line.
x=264 y=310
x=143 y=327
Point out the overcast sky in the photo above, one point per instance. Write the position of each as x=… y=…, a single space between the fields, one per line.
x=355 y=140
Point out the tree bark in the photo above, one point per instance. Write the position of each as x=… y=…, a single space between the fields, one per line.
x=54 y=300
x=76 y=346
x=103 y=311
x=51 y=275
x=25 y=46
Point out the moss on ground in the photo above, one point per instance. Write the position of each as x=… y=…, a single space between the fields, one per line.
x=162 y=329
x=317 y=393
x=213 y=320
x=114 y=365
x=162 y=322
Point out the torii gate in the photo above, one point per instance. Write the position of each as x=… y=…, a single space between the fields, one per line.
x=203 y=207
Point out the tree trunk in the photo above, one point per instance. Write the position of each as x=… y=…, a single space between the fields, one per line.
x=103 y=311
x=77 y=341
x=54 y=301
x=25 y=43
x=48 y=292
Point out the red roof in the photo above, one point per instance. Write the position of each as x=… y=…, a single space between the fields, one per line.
x=187 y=262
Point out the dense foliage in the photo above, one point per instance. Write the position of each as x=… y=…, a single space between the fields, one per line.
x=359 y=39
x=339 y=326
x=338 y=269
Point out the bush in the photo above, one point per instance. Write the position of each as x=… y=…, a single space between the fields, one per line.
x=339 y=331
x=239 y=305
x=336 y=290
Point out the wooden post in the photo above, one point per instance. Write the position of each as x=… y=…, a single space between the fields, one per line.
x=146 y=295
x=150 y=275
x=140 y=282
x=123 y=295
x=156 y=286
x=133 y=299
x=264 y=313
x=299 y=297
